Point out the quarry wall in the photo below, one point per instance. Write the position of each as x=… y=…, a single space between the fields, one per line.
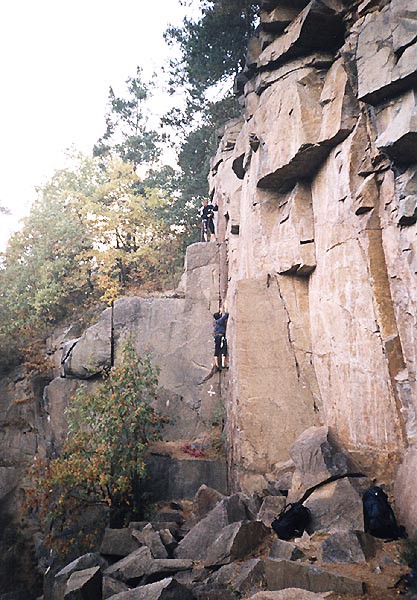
x=317 y=189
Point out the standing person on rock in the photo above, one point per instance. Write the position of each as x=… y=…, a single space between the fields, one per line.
x=207 y=223
x=220 y=342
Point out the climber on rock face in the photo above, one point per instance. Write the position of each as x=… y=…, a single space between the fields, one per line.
x=220 y=342
x=207 y=213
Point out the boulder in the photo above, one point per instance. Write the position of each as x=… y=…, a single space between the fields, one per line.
x=167 y=589
x=84 y=585
x=281 y=574
x=140 y=563
x=196 y=543
x=346 y=547
x=241 y=577
x=119 y=542
x=235 y=542
x=172 y=526
x=86 y=561
x=285 y=550
x=204 y=501
x=270 y=509
x=132 y=567
x=212 y=592
x=336 y=506
x=91 y=354
x=111 y=587
x=168 y=539
x=151 y=538
x=317 y=457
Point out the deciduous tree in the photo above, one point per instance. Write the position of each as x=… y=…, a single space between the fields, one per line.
x=103 y=458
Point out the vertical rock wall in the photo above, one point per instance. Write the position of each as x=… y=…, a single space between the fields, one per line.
x=317 y=188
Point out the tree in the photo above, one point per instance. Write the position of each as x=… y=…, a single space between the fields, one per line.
x=213 y=47
x=4 y=210
x=211 y=52
x=103 y=459
x=126 y=133
x=136 y=245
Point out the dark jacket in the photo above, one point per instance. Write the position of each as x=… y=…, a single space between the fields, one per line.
x=220 y=324
x=207 y=212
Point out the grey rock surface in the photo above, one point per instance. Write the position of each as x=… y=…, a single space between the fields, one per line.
x=281 y=574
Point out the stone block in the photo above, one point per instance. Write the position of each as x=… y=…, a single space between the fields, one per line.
x=317 y=457
x=84 y=585
x=118 y=542
x=281 y=574
x=317 y=112
x=278 y=19
x=343 y=547
x=285 y=550
x=270 y=509
x=235 y=542
x=91 y=354
x=386 y=67
x=151 y=538
x=227 y=511
x=317 y=27
x=204 y=501
x=336 y=506
x=167 y=589
x=132 y=567
x=86 y=561
x=294 y=234
x=407 y=211
x=111 y=587
x=242 y=578
x=172 y=526
x=397 y=127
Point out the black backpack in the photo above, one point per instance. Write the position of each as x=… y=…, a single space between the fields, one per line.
x=295 y=518
x=292 y=521
x=378 y=516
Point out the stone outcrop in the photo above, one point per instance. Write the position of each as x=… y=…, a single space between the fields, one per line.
x=316 y=186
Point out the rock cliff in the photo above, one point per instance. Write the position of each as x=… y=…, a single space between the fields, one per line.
x=316 y=184
x=317 y=189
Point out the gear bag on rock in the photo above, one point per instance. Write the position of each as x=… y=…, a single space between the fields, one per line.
x=378 y=516
x=295 y=518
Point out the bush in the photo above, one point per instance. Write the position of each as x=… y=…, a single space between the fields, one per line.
x=102 y=462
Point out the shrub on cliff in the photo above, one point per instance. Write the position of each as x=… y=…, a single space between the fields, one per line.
x=102 y=462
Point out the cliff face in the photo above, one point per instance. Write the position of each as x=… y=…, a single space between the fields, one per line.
x=317 y=189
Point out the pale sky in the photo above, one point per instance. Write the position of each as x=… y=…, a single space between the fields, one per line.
x=57 y=61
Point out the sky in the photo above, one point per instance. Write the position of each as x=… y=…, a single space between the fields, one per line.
x=57 y=61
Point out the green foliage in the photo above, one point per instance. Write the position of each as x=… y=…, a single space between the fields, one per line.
x=211 y=51
x=95 y=232
x=102 y=462
x=212 y=48
x=126 y=133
